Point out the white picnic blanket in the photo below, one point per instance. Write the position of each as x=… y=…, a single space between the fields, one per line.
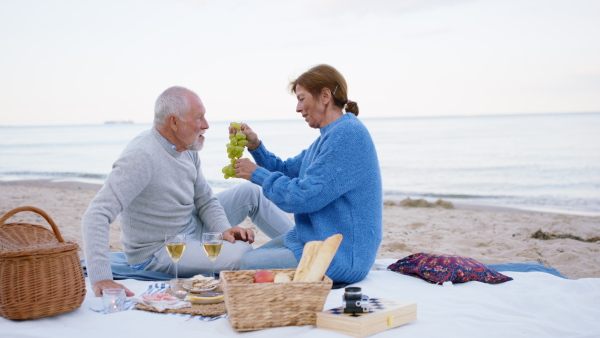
x=534 y=304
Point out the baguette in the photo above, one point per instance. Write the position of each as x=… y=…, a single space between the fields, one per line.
x=324 y=258
x=309 y=254
x=316 y=259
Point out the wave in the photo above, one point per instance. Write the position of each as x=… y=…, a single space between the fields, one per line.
x=584 y=206
x=52 y=175
x=561 y=204
x=392 y=193
x=66 y=144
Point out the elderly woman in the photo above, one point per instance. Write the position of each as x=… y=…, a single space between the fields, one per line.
x=332 y=187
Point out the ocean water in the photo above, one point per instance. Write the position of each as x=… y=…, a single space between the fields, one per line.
x=548 y=162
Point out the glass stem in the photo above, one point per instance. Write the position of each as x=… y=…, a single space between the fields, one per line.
x=176 y=270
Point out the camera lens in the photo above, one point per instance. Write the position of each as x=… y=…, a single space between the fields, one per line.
x=353 y=292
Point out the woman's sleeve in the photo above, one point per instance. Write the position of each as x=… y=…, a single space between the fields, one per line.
x=269 y=161
x=335 y=169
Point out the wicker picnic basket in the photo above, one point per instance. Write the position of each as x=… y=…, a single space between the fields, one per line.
x=255 y=306
x=40 y=274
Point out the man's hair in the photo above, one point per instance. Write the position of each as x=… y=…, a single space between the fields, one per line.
x=174 y=100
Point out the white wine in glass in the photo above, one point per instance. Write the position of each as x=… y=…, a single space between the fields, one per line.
x=212 y=243
x=175 y=246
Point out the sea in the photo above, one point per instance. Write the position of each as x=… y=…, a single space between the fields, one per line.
x=540 y=162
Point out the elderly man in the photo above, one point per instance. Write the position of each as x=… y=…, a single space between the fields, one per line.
x=156 y=187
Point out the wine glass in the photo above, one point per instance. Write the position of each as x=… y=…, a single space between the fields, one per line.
x=212 y=242
x=175 y=246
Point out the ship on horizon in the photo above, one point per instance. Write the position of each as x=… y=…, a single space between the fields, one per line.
x=118 y=122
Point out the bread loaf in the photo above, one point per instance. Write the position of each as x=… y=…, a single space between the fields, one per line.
x=316 y=257
x=309 y=254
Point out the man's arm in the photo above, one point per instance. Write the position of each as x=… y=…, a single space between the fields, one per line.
x=128 y=178
x=207 y=204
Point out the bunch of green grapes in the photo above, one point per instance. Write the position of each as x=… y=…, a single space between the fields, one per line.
x=235 y=149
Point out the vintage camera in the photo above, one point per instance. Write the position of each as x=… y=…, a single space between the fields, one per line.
x=354 y=301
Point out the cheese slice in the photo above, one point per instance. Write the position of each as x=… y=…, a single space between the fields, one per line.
x=198 y=298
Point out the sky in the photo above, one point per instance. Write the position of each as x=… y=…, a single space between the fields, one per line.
x=86 y=62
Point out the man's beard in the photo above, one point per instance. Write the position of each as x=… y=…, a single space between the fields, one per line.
x=196 y=146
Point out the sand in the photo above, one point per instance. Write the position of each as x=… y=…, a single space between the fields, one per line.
x=487 y=234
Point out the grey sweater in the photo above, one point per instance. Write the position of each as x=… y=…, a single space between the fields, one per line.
x=154 y=190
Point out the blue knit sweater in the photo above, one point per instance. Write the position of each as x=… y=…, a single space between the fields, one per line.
x=332 y=187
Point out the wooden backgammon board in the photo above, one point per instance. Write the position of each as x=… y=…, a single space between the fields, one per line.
x=383 y=314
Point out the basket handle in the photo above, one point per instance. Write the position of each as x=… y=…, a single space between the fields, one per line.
x=38 y=211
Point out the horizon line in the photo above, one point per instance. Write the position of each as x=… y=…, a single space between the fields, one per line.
x=128 y=121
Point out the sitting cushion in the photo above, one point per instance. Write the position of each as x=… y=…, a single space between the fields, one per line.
x=442 y=268
x=122 y=270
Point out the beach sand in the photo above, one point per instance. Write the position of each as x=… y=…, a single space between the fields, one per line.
x=489 y=235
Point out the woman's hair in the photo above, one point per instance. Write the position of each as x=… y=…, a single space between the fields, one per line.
x=325 y=76
x=174 y=100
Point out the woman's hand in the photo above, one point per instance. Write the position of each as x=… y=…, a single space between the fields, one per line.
x=251 y=137
x=244 y=168
x=237 y=233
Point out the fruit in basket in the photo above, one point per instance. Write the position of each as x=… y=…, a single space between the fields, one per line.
x=282 y=277
x=264 y=276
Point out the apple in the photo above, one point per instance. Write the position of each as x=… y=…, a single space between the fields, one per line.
x=264 y=276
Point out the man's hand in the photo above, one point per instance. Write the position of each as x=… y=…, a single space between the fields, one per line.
x=238 y=233
x=109 y=284
x=244 y=168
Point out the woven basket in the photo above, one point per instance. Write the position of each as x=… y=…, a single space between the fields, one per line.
x=40 y=274
x=255 y=306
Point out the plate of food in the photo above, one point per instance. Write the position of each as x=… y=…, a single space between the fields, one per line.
x=207 y=297
x=200 y=290
x=159 y=299
x=200 y=284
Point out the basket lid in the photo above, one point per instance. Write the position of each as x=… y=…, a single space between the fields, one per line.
x=42 y=249
x=21 y=239
x=24 y=239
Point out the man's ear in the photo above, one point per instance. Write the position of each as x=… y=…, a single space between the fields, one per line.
x=173 y=122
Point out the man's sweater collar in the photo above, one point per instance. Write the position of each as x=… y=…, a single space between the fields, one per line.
x=170 y=148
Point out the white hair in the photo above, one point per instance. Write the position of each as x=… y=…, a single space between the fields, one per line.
x=174 y=100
